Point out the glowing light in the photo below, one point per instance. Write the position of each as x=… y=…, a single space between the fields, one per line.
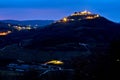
x=4 y=33
x=65 y=19
x=118 y=60
x=80 y=16
x=56 y=62
x=9 y=32
x=85 y=12
x=19 y=28
x=23 y=27
x=9 y=25
x=97 y=15
x=71 y=19
x=28 y=28
x=92 y=17
x=81 y=13
x=89 y=17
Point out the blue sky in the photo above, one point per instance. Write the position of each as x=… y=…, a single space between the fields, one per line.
x=56 y=9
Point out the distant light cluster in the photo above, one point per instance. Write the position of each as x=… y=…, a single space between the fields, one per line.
x=80 y=16
x=22 y=28
x=19 y=28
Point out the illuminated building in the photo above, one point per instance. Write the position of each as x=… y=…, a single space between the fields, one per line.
x=77 y=16
x=4 y=33
x=56 y=62
x=81 y=13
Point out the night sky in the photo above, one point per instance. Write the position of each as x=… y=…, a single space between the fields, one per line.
x=56 y=9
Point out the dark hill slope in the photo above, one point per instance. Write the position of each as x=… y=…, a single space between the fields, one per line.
x=98 y=30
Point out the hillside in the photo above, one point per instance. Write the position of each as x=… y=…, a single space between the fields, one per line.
x=86 y=42
x=77 y=29
x=73 y=33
